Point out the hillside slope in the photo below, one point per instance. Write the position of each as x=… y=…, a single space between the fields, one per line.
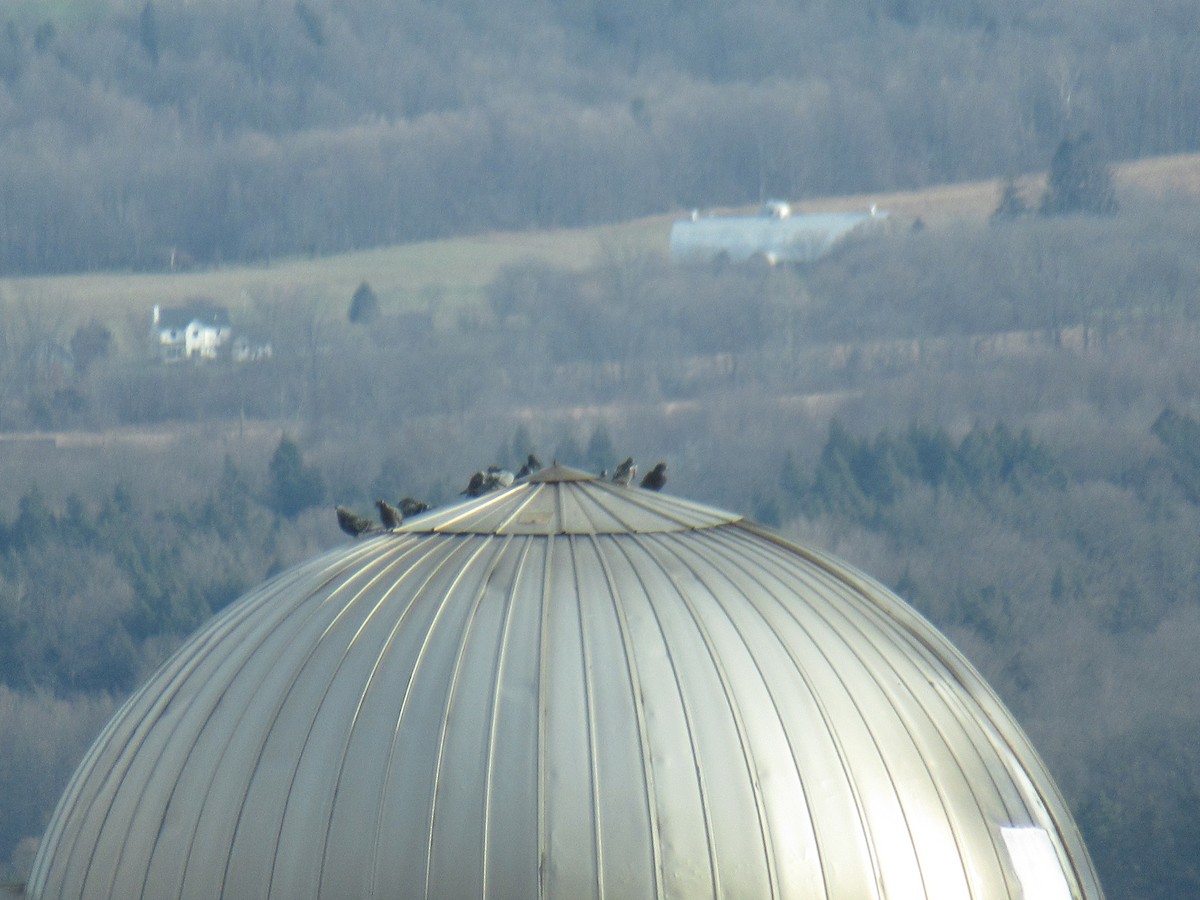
x=230 y=131
x=447 y=273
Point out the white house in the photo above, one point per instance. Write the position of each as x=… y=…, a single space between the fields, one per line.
x=199 y=331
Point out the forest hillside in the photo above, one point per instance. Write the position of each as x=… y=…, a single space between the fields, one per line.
x=454 y=272
x=156 y=136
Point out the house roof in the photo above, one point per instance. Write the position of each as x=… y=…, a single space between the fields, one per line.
x=182 y=317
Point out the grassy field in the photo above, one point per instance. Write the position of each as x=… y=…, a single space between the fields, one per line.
x=449 y=273
x=1160 y=176
x=453 y=272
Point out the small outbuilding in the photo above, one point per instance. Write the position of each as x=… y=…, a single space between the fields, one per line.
x=566 y=688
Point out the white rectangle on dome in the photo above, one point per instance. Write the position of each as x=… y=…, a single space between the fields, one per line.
x=1036 y=863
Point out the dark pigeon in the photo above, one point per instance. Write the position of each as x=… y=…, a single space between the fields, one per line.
x=389 y=515
x=412 y=507
x=477 y=486
x=352 y=523
x=656 y=477
x=532 y=464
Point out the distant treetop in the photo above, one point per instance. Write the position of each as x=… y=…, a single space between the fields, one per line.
x=1080 y=180
x=364 y=305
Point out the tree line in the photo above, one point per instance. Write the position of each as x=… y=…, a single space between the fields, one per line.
x=860 y=480
x=143 y=135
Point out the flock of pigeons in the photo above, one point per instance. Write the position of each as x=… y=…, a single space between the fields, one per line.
x=493 y=478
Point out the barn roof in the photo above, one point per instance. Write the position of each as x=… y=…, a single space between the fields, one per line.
x=181 y=317
x=797 y=238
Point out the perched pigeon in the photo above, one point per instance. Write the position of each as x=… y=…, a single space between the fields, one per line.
x=532 y=464
x=626 y=472
x=389 y=515
x=496 y=478
x=352 y=523
x=412 y=507
x=656 y=477
x=477 y=486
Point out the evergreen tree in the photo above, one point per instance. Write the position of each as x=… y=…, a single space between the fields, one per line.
x=35 y=522
x=931 y=457
x=835 y=487
x=294 y=486
x=1080 y=181
x=89 y=343
x=148 y=32
x=227 y=509
x=1180 y=434
x=364 y=305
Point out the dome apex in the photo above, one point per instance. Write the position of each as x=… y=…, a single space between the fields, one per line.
x=555 y=472
x=561 y=500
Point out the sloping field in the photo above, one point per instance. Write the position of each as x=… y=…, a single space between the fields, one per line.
x=418 y=275
x=447 y=273
x=1160 y=176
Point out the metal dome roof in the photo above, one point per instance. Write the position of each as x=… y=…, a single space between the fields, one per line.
x=566 y=689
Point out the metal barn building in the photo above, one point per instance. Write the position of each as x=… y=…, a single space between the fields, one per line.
x=774 y=236
x=566 y=689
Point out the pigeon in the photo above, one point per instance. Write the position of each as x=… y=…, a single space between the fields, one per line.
x=477 y=486
x=656 y=477
x=626 y=472
x=532 y=464
x=496 y=478
x=352 y=523
x=389 y=515
x=412 y=507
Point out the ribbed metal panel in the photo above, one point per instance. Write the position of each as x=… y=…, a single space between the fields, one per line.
x=567 y=689
x=797 y=238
